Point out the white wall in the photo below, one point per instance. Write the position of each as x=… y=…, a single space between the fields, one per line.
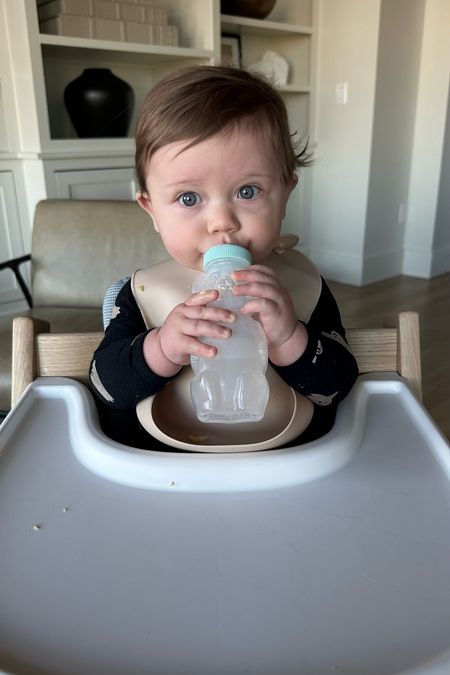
x=388 y=146
x=424 y=254
x=347 y=52
x=19 y=99
x=399 y=48
x=441 y=241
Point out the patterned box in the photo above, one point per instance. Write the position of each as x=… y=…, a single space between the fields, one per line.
x=139 y=2
x=165 y=35
x=129 y=12
x=57 y=7
x=115 y=20
x=68 y=25
x=138 y=32
x=156 y=15
x=105 y=9
x=107 y=29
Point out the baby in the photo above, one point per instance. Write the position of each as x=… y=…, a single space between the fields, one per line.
x=216 y=164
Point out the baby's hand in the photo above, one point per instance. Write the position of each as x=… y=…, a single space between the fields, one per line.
x=168 y=348
x=273 y=308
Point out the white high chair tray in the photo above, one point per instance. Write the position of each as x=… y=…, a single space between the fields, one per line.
x=333 y=557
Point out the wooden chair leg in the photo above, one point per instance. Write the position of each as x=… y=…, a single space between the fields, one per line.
x=408 y=349
x=24 y=365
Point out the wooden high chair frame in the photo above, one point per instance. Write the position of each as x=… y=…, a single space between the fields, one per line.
x=37 y=352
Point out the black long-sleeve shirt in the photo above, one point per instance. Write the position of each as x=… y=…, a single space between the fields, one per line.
x=120 y=376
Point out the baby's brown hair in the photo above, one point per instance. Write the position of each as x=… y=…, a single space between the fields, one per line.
x=197 y=102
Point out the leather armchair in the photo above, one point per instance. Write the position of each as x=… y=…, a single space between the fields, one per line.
x=79 y=248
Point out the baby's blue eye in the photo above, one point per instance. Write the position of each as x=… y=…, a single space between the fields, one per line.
x=248 y=192
x=189 y=199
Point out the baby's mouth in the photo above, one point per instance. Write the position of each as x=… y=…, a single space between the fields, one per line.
x=232 y=240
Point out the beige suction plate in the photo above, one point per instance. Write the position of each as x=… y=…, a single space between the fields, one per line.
x=169 y=416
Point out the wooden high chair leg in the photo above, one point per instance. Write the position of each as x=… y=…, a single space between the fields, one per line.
x=24 y=355
x=408 y=349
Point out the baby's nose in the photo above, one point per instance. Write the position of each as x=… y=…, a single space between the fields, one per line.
x=222 y=218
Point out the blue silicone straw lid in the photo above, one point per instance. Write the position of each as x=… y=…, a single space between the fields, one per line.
x=222 y=251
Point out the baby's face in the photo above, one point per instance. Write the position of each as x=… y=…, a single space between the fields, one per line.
x=225 y=190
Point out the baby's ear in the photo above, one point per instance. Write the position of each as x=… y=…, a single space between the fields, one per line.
x=292 y=183
x=143 y=199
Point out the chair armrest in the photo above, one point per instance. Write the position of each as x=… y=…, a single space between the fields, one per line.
x=24 y=353
x=14 y=266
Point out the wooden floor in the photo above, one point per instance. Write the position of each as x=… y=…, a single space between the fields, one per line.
x=366 y=306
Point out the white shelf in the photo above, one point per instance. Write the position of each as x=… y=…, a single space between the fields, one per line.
x=74 y=148
x=262 y=27
x=59 y=44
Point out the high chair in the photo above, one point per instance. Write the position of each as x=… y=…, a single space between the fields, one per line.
x=147 y=561
x=39 y=353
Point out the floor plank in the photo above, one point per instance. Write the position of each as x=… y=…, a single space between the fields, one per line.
x=367 y=305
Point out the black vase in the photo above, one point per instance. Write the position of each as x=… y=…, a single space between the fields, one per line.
x=99 y=104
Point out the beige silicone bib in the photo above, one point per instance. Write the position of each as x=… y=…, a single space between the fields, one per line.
x=169 y=415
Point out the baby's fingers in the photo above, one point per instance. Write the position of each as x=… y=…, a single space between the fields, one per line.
x=202 y=298
x=258 y=289
x=197 y=332
x=205 y=329
x=254 y=273
x=260 y=306
x=206 y=313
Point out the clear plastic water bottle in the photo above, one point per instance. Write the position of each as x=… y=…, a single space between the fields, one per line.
x=230 y=387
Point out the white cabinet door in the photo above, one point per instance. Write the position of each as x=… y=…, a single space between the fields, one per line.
x=96 y=184
x=11 y=244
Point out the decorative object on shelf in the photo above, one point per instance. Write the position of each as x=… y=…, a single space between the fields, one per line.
x=100 y=104
x=273 y=66
x=230 y=50
x=137 y=21
x=254 y=9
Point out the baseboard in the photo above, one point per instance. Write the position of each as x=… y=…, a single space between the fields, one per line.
x=346 y=269
x=426 y=264
x=382 y=266
x=441 y=261
x=349 y=269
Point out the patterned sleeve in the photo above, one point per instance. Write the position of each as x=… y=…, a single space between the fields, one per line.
x=327 y=369
x=119 y=374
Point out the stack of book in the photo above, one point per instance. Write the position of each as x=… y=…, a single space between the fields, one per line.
x=118 y=20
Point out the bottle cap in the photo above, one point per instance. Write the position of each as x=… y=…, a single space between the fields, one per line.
x=222 y=251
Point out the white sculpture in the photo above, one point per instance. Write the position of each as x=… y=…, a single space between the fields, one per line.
x=273 y=66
